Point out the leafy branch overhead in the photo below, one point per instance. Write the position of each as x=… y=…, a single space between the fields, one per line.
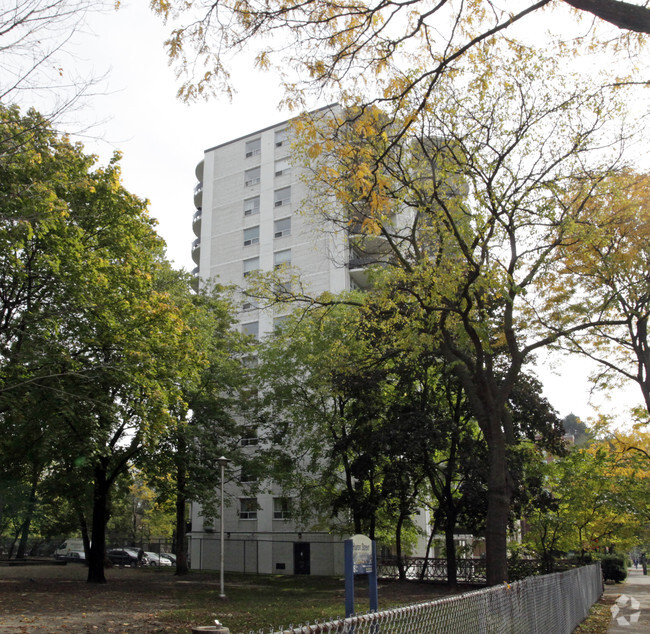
x=386 y=49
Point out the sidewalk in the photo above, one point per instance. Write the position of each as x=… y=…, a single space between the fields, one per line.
x=633 y=614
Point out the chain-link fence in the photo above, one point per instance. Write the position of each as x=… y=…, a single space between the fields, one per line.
x=554 y=603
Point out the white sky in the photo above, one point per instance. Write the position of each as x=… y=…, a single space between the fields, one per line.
x=162 y=141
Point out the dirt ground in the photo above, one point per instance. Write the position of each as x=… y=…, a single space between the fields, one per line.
x=57 y=599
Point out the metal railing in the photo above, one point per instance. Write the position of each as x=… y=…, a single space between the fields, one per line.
x=537 y=605
x=432 y=569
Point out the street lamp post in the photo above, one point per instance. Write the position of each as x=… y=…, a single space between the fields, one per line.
x=223 y=461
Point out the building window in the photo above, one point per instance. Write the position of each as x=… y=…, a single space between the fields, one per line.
x=282 y=258
x=281 y=509
x=249 y=304
x=282 y=196
x=279 y=323
x=252 y=177
x=251 y=328
x=253 y=147
x=282 y=228
x=252 y=206
x=281 y=137
x=282 y=167
x=246 y=475
x=250 y=439
x=282 y=289
x=250 y=362
x=250 y=265
x=251 y=236
x=248 y=508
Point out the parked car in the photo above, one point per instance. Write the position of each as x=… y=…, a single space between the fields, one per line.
x=154 y=559
x=126 y=557
x=77 y=556
x=170 y=557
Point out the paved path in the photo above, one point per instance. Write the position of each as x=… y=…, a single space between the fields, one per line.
x=633 y=614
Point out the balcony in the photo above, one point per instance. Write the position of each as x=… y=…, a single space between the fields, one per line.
x=196 y=250
x=199 y=170
x=198 y=195
x=358 y=264
x=196 y=223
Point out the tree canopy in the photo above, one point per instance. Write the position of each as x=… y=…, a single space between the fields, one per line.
x=468 y=219
x=95 y=345
x=383 y=49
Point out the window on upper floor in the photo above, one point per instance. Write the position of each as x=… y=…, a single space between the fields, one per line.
x=282 y=258
x=251 y=236
x=281 y=137
x=253 y=147
x=251 y=328
x=279 y=323
x=282 y=196
x=252 y=206
x=282 y=166
x=246 y=475
x=250 y=265
x=282 y=228
x=281 y=508
x=249 y=304
x=248 y=508
x=282 y=289
x=252 y=176
x=250 y=437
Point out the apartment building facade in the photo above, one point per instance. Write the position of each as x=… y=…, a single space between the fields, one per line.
x=248 y=218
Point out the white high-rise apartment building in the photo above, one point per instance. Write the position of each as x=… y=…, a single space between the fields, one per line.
x=248 y=202
x=248 y=217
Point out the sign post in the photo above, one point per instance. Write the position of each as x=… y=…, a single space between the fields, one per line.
x=360 y=559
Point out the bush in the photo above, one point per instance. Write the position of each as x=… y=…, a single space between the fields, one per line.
x=614 y=568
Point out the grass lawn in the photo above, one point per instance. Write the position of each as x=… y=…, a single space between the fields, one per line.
x=265 y=601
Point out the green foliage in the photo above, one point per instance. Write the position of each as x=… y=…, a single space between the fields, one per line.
x=614 y=567
x=470 y=216
x=575 y=427
x=94 y=345
x=592 y=500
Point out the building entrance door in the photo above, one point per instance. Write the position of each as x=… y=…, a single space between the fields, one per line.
x=301 y=564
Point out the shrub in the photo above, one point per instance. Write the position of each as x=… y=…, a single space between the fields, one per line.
x=614 y=568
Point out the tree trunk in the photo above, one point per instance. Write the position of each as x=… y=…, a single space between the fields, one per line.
x=450 y=548
x=427 y=552
x=100 y=512
x=499 y=497
x=84 y=534
x=24 y=535
x=398 y=547
x=181 y=544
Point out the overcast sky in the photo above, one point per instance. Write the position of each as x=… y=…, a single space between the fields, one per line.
x=162 y=140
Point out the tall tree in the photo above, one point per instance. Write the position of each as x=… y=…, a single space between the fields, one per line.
x=609 y=262
x=473 y=212
x=208 y=420
x=84 y=319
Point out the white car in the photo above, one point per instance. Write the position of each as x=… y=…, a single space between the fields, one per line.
x=154 y=559
x=169 y=557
